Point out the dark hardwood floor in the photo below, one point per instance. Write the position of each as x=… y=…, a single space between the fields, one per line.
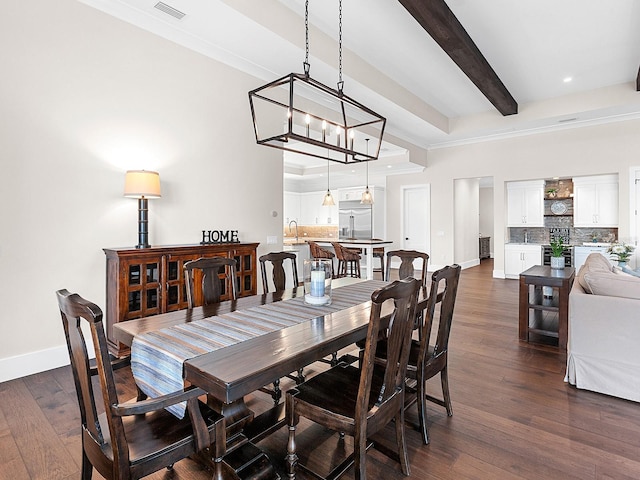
x=514 y=417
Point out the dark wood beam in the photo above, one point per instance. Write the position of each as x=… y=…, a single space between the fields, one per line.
x=440 y=22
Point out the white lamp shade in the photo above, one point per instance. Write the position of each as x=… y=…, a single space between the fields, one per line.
x=142 y=183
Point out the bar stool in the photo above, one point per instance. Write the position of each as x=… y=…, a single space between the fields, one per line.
x=348 y=261
x=317 y=251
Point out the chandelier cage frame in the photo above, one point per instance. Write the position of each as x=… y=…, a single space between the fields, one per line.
x=301 y=115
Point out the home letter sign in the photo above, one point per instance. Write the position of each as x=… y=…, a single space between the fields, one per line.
x=219 y=236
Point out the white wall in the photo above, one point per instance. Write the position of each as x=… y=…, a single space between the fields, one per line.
x=85 y=97
x=467 y=220
x=599 y=149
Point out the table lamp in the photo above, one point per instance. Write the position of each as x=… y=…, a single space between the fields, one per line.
x=142 y=184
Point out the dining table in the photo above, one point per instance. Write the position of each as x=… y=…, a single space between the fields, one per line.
x=277 y=333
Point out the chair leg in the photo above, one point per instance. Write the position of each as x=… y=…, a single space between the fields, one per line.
x=444 y=380
x=421 y=404
x=87 y=468
x=360 y=457
x=292 y=422
x=402 y=444
x=277 y=393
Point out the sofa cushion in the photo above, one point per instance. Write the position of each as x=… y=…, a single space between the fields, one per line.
x=595 y=262
x=612 y=284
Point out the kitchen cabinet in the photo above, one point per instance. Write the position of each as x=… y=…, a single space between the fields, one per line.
x=302 y=253
x=520 y=257
x=149 y=281
x=291 y=208
x=307 y=209
x=312 y=212
x=525 y=204
x=595 y=201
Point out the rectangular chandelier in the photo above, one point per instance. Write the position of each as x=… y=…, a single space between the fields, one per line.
x=299 y=114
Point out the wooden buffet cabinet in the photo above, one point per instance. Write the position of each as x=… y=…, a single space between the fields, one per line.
x=143 y=282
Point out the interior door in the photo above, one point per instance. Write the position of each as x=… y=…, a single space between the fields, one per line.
x=416 y=218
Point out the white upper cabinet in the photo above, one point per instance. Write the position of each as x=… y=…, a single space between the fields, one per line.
x=525 y=204
x=312 y=212
x=291 y=207
x=595 y=201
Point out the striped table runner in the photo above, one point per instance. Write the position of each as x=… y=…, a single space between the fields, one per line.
x=157 y=357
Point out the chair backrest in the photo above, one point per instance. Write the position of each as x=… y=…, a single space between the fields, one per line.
x=444 y=288
x=279 y=276
x=343 y=253
x=316 y=251
x=406 y=268
x=212 y=286
x=403 y=294
x=76 y=312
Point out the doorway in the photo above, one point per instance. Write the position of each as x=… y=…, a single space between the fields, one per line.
x=416 y=218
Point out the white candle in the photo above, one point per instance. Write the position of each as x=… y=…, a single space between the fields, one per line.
x=317 y=283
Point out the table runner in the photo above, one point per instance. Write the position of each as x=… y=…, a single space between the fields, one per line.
x=157 y=357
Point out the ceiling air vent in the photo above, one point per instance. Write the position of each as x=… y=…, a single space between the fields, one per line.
x=169 y=10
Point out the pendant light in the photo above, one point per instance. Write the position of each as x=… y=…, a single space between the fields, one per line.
x=328 y=198
x=367 y=198
x=299 y=114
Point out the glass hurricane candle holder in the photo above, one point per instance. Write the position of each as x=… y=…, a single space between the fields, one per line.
x=317 y=281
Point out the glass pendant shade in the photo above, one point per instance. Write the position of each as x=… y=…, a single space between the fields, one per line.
x=328 y=200
x=367 y=198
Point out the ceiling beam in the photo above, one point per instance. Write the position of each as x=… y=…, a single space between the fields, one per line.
x=440 y=22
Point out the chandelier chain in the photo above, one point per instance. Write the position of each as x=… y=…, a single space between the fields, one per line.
x=340 y=82
x=306 y=38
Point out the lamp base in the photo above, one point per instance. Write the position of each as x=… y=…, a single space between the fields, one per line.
x=143 y=223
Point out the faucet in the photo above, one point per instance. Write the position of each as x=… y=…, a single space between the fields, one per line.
x=526 y=236
x=296 y=224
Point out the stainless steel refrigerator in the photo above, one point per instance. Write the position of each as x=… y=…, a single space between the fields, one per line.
x=355 y=220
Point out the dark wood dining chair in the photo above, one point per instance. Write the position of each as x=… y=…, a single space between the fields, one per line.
x=348 y=261
x=279 y=276
x=426 y=358
x=212 y=287
x=133 y=439
x=360 y=402
x=316 y=251
x=277 y=260
x=406 y=268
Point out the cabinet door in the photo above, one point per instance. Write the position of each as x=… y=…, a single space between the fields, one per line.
x=584 y=205
x=607 y=205
x=534 y=206
x=595 y=201
x=142 y=286
x=512 y=262
x=291 y=207
x=531 y=257
x=525 y=204
x=245 y=270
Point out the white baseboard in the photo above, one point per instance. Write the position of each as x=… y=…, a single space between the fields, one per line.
x=498 y=274
x=34 y=362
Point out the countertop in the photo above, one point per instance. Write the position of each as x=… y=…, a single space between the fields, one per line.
x=303 y=240
x=584 y=244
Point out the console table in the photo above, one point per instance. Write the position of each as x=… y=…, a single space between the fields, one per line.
x=545 y=315
x=148 y=281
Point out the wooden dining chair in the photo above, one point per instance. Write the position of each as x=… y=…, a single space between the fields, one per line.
x=360 y=402
x=426 y=358
x=212 y=287
x=407 y=267
x=348 y=261
x=133 y=439
x=279 y=276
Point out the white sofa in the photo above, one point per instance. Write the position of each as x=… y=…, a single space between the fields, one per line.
x=603 y=349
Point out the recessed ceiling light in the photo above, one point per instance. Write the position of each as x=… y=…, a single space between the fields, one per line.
x=567 y=79
x=388 y=166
